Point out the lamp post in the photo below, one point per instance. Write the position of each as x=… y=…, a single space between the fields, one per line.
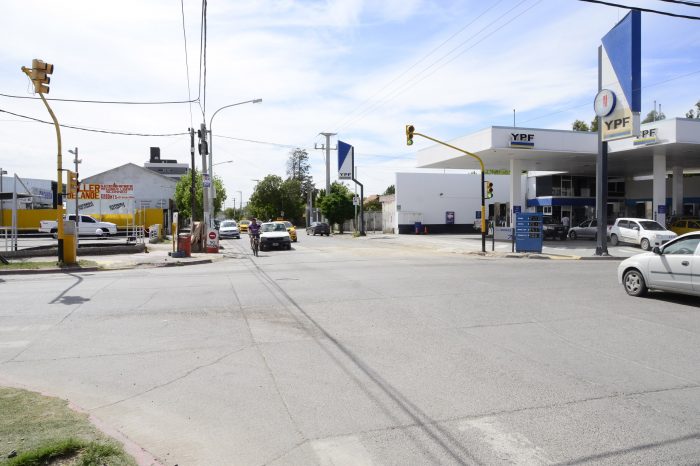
x=210 y=190
x=240 y=205
x=76 y=161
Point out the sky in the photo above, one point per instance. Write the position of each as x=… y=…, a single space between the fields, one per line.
x=360 y=68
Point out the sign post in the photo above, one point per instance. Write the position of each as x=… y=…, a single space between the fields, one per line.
x=346 y=171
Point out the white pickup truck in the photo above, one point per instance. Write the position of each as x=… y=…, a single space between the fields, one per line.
x=88 y=226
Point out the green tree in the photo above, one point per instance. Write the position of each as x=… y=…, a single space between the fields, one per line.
x=654 y=116
x=299 y=168
x=274 y=198
x=694 y=113
x=594 y=125
x=230 y=212
x=373 y=205
x=337 y=206
x=580 y=125
x=390 y=190
x=183 y=200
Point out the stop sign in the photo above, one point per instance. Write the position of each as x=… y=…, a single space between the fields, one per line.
x=212 y=235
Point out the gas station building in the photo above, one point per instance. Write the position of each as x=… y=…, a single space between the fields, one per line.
x=654 y=175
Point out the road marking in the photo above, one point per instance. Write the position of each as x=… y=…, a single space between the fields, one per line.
x=342 y=451
x=511 y=446
x=14 y=344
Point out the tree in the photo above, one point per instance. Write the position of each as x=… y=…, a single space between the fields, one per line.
x=299 y=168
x=373 y=205
x=390 y=190
x=594 y=125
x=274 y=198
x=183 y=200
x=580 y=125
x=694 y=114
x=230 y=212
x=337 y=206
x=654 y=116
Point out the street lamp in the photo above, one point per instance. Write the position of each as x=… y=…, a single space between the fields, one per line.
x=219 y=163
x=240 y=206
x=210 y=190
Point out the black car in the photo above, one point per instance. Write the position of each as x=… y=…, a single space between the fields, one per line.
x=318 y=228
x=552 y=228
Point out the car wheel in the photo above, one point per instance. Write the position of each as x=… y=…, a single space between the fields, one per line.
x=645 y=244
x=54 y=233
x=614 y=240
x=634 y=284
x=572 y=234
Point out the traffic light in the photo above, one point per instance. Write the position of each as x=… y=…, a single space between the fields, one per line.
x=72 y=182
x=409 y=135
x=489 y=189
x=39 y=75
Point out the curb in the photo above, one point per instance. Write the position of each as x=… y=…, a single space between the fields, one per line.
x=101 y=269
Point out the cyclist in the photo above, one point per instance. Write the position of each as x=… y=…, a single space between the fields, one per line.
x=253 y=230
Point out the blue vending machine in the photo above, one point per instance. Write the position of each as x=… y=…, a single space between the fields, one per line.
x=528 y=232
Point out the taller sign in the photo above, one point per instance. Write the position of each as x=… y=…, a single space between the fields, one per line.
x=346 y=161
x=619 y=101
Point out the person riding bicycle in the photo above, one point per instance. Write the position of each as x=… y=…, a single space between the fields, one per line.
x=253 y=230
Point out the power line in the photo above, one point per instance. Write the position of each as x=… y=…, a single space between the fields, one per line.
x=647 y=10
x=292 y=146
x=103 y=131
x=187 y=64
x=120 y=102
x=681 y=2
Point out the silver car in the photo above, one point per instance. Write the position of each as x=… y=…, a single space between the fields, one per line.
x=229 y=229
x=585 y=229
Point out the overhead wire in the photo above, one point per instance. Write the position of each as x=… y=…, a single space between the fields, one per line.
x=92 y=130
x=422 y=59
x=119 y=102
x=681 y=2
x=420 y=76
x=646 y=10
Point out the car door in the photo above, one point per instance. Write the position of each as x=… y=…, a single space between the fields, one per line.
x=631 y=233
x=674 y=268
x=592 y=229
x=87 y=225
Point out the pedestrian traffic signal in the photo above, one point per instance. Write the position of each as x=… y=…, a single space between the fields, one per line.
x=72 y=182
x=409 y=135
x=489 y=189
x=39 y=74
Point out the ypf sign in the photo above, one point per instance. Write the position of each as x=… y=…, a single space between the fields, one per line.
x=619 y=101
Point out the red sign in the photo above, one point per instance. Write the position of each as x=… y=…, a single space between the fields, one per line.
x=212 y=235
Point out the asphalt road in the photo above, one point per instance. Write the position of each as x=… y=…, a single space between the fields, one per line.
x=366 y=352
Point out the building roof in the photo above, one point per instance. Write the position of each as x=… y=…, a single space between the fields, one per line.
x=575 y=152
x=120 y=170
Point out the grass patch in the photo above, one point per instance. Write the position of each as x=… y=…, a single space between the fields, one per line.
x=37 y=265
x=44 y=431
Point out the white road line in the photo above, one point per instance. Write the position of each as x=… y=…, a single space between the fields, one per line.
x=342 y=451
x=511 y=446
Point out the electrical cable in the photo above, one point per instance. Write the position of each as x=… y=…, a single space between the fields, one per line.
x=646 y=10
x=681 y=2
x=187 y=64
x=258 y=142
x=103 y=131
x=422 y=59
x=119 y=102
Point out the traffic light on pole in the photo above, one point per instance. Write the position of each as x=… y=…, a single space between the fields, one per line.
x=39 y=75
x=409 y=135
x=72 y=182
x=489 y=189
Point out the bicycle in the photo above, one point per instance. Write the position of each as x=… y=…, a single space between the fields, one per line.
x=255 y=244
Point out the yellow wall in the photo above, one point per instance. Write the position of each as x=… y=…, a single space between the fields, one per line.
x=29 y=219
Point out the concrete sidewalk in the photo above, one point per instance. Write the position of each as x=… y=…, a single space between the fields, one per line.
x=156 y=255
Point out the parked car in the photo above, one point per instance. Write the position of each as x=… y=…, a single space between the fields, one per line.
x=229 y=229
x=683 y=226
x=243 y=226
x=88 y=226
x=640 y=231
x=274 y=235
x=291 y=229
x=671 y=267
x=585 y=229
x=552 y=228
x=318 y=228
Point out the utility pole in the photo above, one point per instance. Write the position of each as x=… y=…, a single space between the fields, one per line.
x=192 y=181
x=76 y=160
x=328 y=149
x=2 y=202
x=203 y=150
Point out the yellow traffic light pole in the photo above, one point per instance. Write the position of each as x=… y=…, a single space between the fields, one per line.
x=59 y=169
x=410 y=132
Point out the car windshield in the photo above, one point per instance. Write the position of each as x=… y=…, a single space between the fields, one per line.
x=268 y=227
x=652 y=225
x=288 y=224
x=228 y=223
x=245 y=222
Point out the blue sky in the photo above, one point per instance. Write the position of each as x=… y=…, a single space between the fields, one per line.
x=363 y=69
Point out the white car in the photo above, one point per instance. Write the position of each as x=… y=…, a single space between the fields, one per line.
x=646 y=233
x=229 y=229
x=274 y=235
x=88 y=226
x=672 y=267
